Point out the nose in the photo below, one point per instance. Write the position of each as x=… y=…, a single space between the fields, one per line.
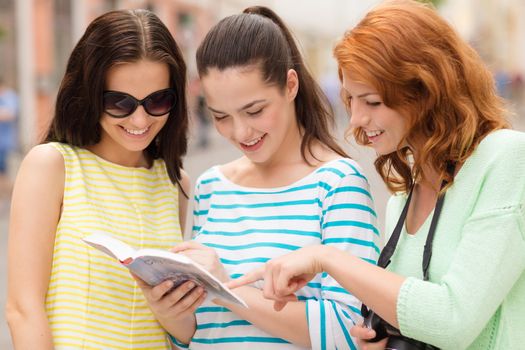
x=241 y=129
x=139 y=118
x=359 y=116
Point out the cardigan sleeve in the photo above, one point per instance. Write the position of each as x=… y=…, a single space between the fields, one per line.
x=489 y=258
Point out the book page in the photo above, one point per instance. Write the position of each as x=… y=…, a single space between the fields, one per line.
x=111 y=246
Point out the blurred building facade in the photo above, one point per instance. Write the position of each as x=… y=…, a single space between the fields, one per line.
x=496 y=29
x=36 y=37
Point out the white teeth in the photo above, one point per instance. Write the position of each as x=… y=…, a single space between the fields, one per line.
x=251 y=143
x=136 y=132
x=374 y=133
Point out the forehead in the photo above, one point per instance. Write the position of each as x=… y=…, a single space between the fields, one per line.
x=354 y=85
x=138 y=78
x=235 y=86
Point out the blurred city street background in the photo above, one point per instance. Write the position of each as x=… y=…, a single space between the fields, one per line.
x=36 y=38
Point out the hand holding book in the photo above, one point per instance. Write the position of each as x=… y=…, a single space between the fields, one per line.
x=155 y=266
x=204 y=256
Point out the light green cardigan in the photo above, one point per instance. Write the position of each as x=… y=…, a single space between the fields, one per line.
x=475 y=298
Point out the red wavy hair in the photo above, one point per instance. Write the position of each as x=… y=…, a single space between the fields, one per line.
x=422 y=68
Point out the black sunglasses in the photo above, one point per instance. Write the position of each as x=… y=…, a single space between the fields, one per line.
x=120 y=105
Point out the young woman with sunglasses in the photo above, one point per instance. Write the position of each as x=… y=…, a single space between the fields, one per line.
x=293 y=187
x=111 y=163
x=424 y=100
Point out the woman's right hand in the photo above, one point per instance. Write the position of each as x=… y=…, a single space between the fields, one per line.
x=362 y=334
x=171 y=307
x=285 y=275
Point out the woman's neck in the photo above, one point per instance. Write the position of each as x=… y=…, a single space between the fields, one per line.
x=429 y=178
x=278 y=172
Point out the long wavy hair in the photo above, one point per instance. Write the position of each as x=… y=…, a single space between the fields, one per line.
x=260 y=38
x=123 y=36
x=422 y=69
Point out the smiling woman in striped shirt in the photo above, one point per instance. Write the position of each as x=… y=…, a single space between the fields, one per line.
x=293 y=187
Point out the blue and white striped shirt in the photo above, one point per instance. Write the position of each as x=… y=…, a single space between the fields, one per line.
x=249 y=226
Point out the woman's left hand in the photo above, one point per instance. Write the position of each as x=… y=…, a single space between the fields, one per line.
x=204 y=256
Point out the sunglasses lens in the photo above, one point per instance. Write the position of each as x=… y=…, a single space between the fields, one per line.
x=160 y=103
x=119 y=105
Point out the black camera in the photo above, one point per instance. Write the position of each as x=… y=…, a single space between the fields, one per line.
x=383 y=329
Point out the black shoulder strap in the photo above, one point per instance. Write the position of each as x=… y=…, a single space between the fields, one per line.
x=390 y=247
x=427 y=253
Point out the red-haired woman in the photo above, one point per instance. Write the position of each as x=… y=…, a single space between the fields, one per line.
x=423 y=99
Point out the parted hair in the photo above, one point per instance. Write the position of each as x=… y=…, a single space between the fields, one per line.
x=258 y=37
x=423 y=69
x=123 y=36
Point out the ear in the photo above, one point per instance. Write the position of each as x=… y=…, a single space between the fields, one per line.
x=292 y=84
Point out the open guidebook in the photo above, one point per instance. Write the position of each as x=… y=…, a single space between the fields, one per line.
x=154 y=266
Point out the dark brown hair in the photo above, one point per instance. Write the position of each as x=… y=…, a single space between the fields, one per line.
x=422 y=68
x=259 y=37
x=123 y=36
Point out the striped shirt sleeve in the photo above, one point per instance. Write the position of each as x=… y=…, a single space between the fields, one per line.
x=175 y=344
x=199 y=216
x=348 y=223
x=199 y=211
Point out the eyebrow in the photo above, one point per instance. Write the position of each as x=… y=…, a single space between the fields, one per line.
x=246 y=106
x=367 y=94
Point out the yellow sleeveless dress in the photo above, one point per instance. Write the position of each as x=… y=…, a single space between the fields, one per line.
x=92 y=301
